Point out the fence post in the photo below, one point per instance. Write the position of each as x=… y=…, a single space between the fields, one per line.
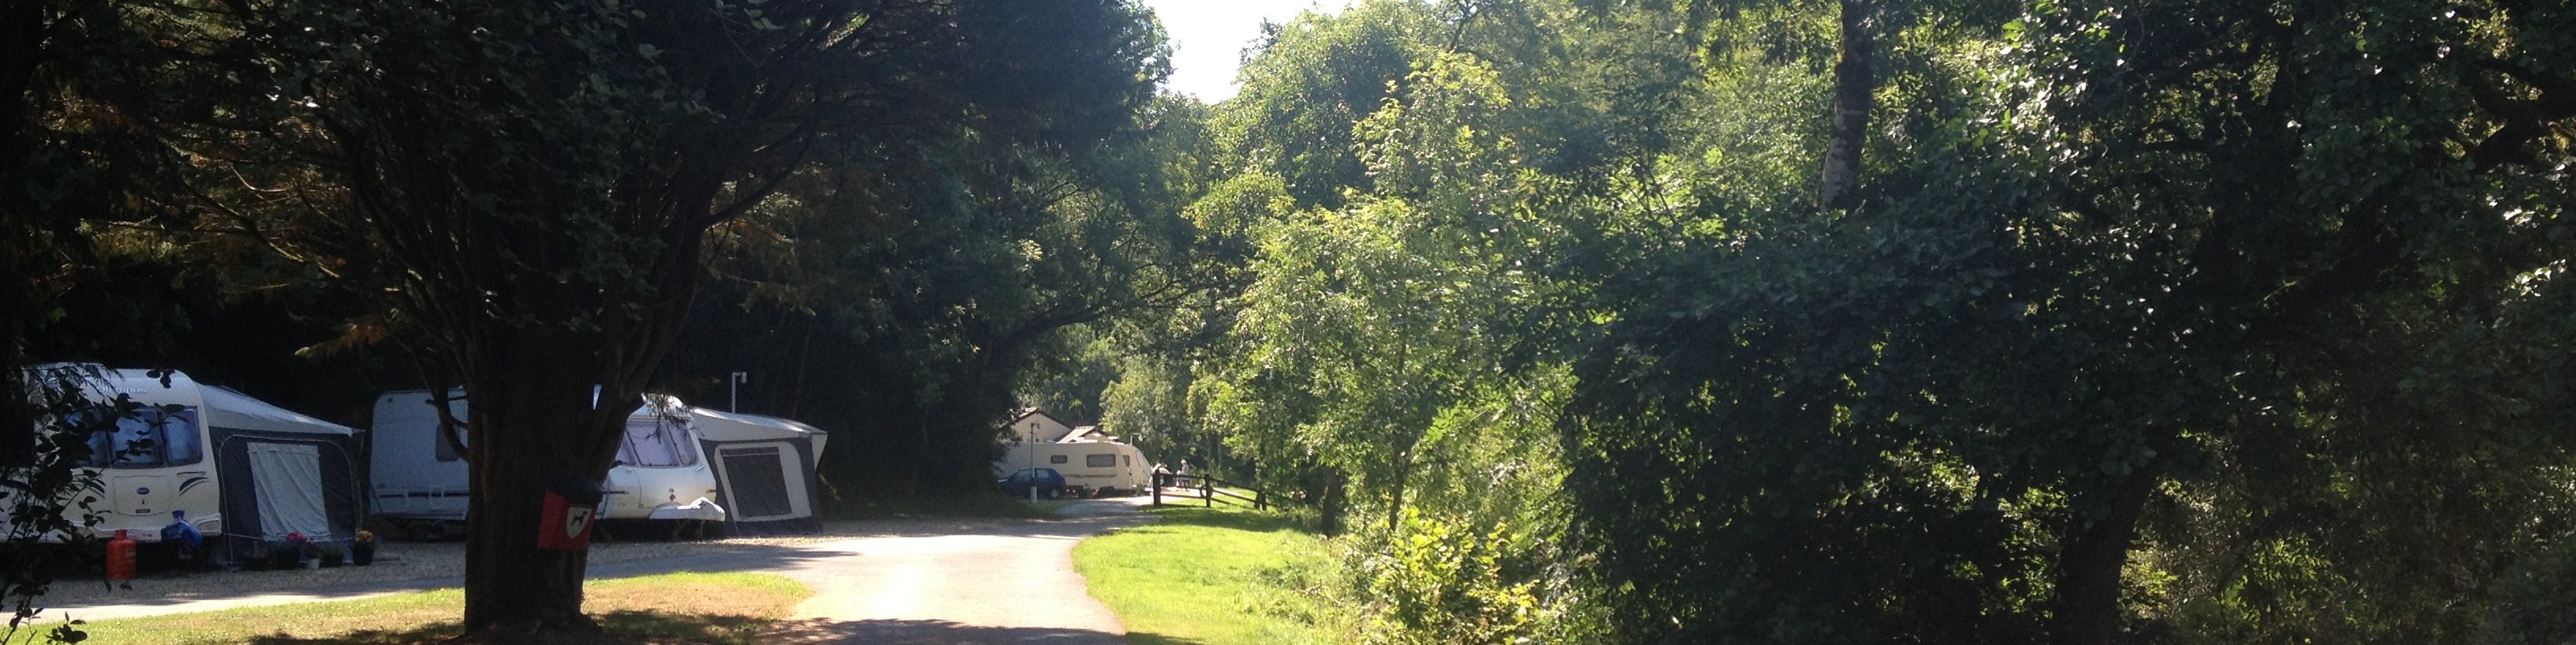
x=1158 y=489
x=1207 y=493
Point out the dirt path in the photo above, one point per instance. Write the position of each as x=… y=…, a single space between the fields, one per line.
x=912 y=581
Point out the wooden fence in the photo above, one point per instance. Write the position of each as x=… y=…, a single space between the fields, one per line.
x=1207 y=490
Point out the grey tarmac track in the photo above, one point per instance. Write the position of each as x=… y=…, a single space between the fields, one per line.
x=1011 y=584
x=987 y=582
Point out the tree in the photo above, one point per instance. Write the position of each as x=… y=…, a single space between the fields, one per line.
x=2134 y=362
x=1309 y=82
x=537 y=183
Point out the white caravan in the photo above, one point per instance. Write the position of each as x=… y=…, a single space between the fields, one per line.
x=1089 y=466
x=660 y=473
x=243 y=471
x=421 y=483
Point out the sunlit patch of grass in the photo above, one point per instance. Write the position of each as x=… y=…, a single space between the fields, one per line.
x=1215 y=577
x=692 y=608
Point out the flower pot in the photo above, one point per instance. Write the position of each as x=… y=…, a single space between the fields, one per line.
x=362 y=554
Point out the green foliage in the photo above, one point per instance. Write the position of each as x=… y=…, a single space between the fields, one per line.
x=2186 y=324
x=2133 y=346
x=1313 y=79
x=1447 y=582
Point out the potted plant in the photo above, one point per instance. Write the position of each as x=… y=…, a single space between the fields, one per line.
x=331 y=554
x=362 y=549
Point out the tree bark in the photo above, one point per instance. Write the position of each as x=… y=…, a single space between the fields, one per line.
x=1854 y=87
x=1395 y=499
x=2084 y=609
x=532 y=422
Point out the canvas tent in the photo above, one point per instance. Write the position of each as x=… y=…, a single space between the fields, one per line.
x=245 y=472
x=764 y=470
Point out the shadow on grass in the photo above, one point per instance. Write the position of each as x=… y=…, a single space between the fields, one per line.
x=1242 y=520
x=618 y=628
x=1149 y=638
x=938 y=632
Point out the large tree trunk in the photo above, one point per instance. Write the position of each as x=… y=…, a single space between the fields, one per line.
x=1854 y=85
x=2085 y=607
x=533 y=424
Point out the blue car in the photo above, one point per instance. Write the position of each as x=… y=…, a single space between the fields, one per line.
x=1050 y=484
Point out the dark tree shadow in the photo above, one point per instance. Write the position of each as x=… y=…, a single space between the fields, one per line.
x=617 y=628
x=941 y=632
x=1150 y=638
x=1238 y=520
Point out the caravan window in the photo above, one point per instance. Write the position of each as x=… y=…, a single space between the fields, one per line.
x=1100 y=461
x=152 y=438
x=656 y=443
x=1055 y=459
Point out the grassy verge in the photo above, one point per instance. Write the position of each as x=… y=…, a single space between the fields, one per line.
x=1215 y=577
x=693 y=608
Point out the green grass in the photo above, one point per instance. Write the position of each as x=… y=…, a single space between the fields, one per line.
x=1215 y=577
x=698 y=608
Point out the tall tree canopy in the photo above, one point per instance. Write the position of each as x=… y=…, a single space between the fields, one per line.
x=533 y=184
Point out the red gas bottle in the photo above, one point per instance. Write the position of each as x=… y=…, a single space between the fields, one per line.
x=120 y=557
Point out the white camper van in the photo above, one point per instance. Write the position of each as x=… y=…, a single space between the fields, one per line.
x=242 y=471
x=1090 y=467
x=421 y=482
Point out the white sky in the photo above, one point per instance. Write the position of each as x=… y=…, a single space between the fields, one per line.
x=1208 y=37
